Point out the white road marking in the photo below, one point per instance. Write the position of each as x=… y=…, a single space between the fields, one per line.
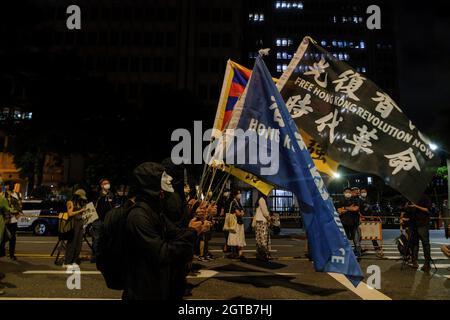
x=438 y=265
x=65 y=299
x=363 y=290
x=58 y=272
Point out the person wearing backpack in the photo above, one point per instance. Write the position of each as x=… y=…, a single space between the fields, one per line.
x=154 y=243
x=75 y=209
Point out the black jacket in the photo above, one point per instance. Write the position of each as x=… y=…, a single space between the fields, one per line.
x=155 y=244
x=104 y=204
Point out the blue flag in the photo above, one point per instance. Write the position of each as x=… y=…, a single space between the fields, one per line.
x=271 y=135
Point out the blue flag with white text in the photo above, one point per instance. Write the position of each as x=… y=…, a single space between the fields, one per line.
x=276 y=152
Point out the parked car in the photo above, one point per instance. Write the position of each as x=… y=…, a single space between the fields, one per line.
x=40 y=217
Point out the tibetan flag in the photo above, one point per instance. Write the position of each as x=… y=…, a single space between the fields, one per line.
x=234 y=83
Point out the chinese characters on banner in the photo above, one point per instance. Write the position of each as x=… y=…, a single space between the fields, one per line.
x=354 y=121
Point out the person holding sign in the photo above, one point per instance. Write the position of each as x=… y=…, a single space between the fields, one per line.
x=75 y=208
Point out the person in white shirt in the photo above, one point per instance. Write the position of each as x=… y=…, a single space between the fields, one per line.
x=263 y=221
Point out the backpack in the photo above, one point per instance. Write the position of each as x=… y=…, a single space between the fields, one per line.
x=402 y=245
x=111 y=251
x=65 y=226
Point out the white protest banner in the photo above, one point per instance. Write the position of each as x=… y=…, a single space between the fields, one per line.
x=90 y=215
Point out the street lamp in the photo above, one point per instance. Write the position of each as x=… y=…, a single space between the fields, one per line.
x=338 y=176
x=433 y=146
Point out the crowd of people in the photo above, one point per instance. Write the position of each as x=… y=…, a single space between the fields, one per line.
x=415 y=222
x=169 y=226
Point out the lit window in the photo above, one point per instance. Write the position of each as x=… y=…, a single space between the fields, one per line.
x=340 y=44
x=363 y=69
x=362 y=45
x=341 y=56
x=285 y=67
x=278 y=42
x=284 y=42
x=277 y=5
x=323 y=43
x=283 y=5
x=369 y=180
x=334 y=19
x=300 y=5
x=279 y=68
x=360 y=19
x=256 y=17
x=334 y=43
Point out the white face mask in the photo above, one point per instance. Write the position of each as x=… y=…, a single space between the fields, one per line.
x=363 y=194
x=166 y=183
x=106 y=187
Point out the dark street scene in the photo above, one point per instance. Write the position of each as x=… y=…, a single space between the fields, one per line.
x=198 y=150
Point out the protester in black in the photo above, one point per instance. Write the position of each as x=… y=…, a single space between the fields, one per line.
x=434 y=214
x=348 y=210
x=104 y=203
x=154 y=242
x=176 y=209
x=419 y=228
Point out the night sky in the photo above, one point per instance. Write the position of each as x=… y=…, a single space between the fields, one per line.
x=423 y=40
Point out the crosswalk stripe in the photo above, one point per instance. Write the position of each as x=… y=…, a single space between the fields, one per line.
x=218 y=250
x=59 y=272
x=420 y=257
x=438 y=265
x=363 y=290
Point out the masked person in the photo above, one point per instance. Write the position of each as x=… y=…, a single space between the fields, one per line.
x=154 y=243
x=176 y=210
x=419 y=228
x=348 y=210
x=75 y=209
x=104 y=203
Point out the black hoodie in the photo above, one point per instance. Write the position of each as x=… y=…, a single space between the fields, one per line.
x=155 y=244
